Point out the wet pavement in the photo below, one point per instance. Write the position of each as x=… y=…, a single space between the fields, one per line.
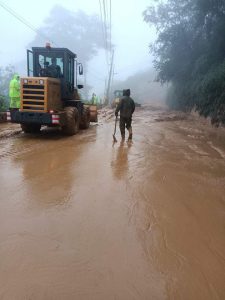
x=83 y=218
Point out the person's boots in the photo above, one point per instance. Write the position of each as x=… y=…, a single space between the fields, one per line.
x=130 y=134
x=123 y=136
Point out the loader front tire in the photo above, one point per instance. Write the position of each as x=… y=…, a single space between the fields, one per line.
x=72 y=121
x=85 y=119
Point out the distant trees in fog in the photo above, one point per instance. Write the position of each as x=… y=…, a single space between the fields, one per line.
x=6 y=74
x=144 y=87
x=77 y=31
x=190 y=53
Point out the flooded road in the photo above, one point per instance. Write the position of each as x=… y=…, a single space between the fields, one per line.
x=81 y=218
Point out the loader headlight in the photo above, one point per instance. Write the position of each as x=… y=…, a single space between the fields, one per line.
x=41 y=81
x=25 y=81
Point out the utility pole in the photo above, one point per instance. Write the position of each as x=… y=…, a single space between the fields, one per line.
x=110 y=79
x=85 y=87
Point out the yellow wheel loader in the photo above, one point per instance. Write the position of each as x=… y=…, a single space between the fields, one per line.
x=49 y=94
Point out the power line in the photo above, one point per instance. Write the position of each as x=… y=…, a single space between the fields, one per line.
x=106 y=29
x=110 y=25
x=24 y=21
x=106 y=18
x=103 y=31
x=105 y=22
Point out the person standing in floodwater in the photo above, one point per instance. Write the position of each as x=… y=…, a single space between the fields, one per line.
x=126 y=107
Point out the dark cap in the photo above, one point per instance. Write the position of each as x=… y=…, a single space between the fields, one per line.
x=126 y=92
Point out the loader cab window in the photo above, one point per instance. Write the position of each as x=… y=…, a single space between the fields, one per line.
x=50 y=66
x=118 y=94
x=30 y=63
x=71 y=73
x=40 y=64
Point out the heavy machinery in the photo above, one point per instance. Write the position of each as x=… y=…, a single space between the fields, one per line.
x=49 y=93
x=117 y=95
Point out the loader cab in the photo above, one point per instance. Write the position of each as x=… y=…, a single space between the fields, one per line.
x=118 y=93
x=57 y=63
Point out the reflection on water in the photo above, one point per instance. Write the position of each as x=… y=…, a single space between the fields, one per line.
x=47 y=183
x=49 y=165
x=120 y=162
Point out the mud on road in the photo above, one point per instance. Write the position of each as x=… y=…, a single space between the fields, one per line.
x=83 y=218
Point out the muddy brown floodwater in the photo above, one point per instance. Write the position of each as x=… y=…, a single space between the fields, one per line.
x=81 y=218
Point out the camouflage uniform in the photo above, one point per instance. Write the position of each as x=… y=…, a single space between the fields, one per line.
x=126 y=108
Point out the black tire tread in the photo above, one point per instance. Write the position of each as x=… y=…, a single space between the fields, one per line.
x=85 y=119
x=72 y=121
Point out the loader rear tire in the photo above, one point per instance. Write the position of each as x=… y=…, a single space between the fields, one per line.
x=30 y=128
x=85 y=119
x=72 y=121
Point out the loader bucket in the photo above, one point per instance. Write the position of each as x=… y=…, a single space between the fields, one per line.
x=93 y=112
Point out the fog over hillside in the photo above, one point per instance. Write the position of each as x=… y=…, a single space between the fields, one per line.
x=144 y=87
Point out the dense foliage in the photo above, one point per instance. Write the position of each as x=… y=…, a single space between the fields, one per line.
x=77 y=31
x=6 y=75
x=190 y=53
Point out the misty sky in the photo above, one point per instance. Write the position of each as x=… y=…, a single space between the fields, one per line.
x=130 y=35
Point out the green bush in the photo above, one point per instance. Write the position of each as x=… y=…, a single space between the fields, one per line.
x=6 y=75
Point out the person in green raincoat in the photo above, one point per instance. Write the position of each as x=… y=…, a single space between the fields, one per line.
x=94 y=99
x=14 y=92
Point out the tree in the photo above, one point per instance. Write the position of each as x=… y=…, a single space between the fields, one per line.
x=190 y=53
x=6 y=75
x=77 y=31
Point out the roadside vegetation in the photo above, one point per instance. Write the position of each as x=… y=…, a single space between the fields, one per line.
x=190 y=54
x=6 y=74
